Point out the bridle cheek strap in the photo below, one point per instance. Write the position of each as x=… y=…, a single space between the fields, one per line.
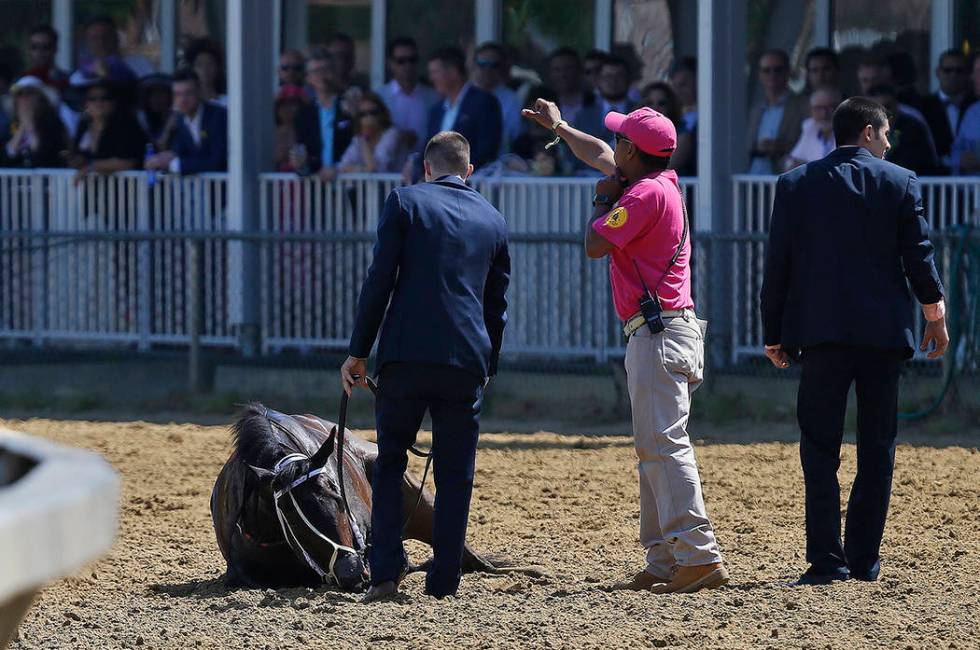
x=291 y=538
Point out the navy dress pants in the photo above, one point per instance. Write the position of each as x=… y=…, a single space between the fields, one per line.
x=453 y=397
x=827 y=373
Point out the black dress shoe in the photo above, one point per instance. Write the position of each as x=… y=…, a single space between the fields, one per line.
x=816 y=577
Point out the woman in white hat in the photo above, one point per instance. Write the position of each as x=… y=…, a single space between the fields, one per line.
x=38 y=135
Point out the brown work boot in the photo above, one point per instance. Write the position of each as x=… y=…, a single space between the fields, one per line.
x=688 y=579
x=642 y=581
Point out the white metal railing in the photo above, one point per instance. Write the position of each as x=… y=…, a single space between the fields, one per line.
x=122 y=291
x=559 y=301
x=947 y=202
x=135 y=291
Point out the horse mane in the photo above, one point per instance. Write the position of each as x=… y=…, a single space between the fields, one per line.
x=260 y=430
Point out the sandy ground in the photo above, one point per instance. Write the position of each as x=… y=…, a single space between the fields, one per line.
x=567 y=503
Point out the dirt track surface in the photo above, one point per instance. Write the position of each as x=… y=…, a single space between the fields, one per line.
x=566 y=503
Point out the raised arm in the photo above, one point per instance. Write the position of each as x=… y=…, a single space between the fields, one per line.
x=589 y=149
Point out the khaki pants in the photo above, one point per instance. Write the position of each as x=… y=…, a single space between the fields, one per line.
x=662 y=371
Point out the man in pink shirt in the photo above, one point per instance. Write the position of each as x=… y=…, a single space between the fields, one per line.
x=639 y=221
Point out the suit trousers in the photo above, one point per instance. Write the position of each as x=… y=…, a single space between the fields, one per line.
x=453 y=397
x=662 y=370
x=828 y=371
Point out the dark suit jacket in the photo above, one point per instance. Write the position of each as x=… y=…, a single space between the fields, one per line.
x=308 y=133
x=933 y=109
x=212 y=154
x=478 y=120
x=846 y=238
x=796 y=109
x=123 y=137
x=911 y=146
x=442 y=260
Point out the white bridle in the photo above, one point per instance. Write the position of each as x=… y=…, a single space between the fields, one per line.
x=287 y=530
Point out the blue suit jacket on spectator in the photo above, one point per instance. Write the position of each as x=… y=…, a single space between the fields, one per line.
x=308 y=134
x=442 y=259
x=479 y=121
x=212 y=154
x=847 y=237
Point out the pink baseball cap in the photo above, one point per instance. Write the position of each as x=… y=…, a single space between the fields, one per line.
x=649 y=130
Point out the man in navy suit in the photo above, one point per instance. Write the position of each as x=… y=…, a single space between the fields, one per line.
x=465 y=109
x=438 y=283
x=200 y=143
x=846 y=240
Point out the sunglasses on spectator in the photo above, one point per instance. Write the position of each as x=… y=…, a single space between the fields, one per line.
x=954 y=70
x=97 y=98
x=291 y=67
x=772 y=70
x=38 y=45
x=404 y=60
x=487 y=63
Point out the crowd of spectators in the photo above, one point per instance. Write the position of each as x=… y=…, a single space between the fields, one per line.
x=115 y=113
x=931 y=134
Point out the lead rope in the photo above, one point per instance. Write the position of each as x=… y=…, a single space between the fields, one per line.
x=373 y=386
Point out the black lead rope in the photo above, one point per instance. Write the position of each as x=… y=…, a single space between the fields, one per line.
x=341 y=437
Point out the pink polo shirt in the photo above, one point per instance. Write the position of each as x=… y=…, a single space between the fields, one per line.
x=645 y=226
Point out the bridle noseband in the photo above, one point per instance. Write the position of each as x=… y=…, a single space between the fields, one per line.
x=318 y=464
x=291 y=538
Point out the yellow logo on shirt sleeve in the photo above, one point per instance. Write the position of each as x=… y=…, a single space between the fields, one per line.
x=617 y=218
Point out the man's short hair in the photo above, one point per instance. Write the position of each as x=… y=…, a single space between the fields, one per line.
x=450 y=57
x=449 y=152
x=186 y=74
x=615 y=61
x=401 y=41
x=319 y=53
x=492 y=46
x=46 y=30
x=775 y=51
x=822 y=53
x=685 y=63
x=341 y=38
x=855 y=113
x=651 y=162
x=595 y=55
x=565 y=52
x=101 y=19
x=953 y=52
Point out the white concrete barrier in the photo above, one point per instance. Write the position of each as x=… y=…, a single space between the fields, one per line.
x=58 y=510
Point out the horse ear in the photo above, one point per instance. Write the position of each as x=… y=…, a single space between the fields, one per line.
x=264 y=475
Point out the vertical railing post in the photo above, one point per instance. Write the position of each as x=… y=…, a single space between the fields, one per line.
x=39 y=260
x=195 y=320
x=144 y=263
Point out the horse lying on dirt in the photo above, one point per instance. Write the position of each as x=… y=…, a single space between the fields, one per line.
x=282 y=518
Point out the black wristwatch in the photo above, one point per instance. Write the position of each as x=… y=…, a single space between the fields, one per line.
x=601 y=199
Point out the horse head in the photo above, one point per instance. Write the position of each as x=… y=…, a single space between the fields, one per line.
x=297 y=496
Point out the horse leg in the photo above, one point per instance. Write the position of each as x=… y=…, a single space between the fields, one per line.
x=419 y=527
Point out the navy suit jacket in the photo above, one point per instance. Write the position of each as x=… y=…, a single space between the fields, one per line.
x=438 y=280
x=478 y=120
x=212 y=154
x=308 y=134
x=846 y=239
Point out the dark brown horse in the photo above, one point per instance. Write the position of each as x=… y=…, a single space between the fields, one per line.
x=279 y=512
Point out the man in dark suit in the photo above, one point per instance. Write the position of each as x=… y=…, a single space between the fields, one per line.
x=438 y=282
x=324 y=127
x=200 y=143
x=465 y=109
x=944 y=109
x=846 y=239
